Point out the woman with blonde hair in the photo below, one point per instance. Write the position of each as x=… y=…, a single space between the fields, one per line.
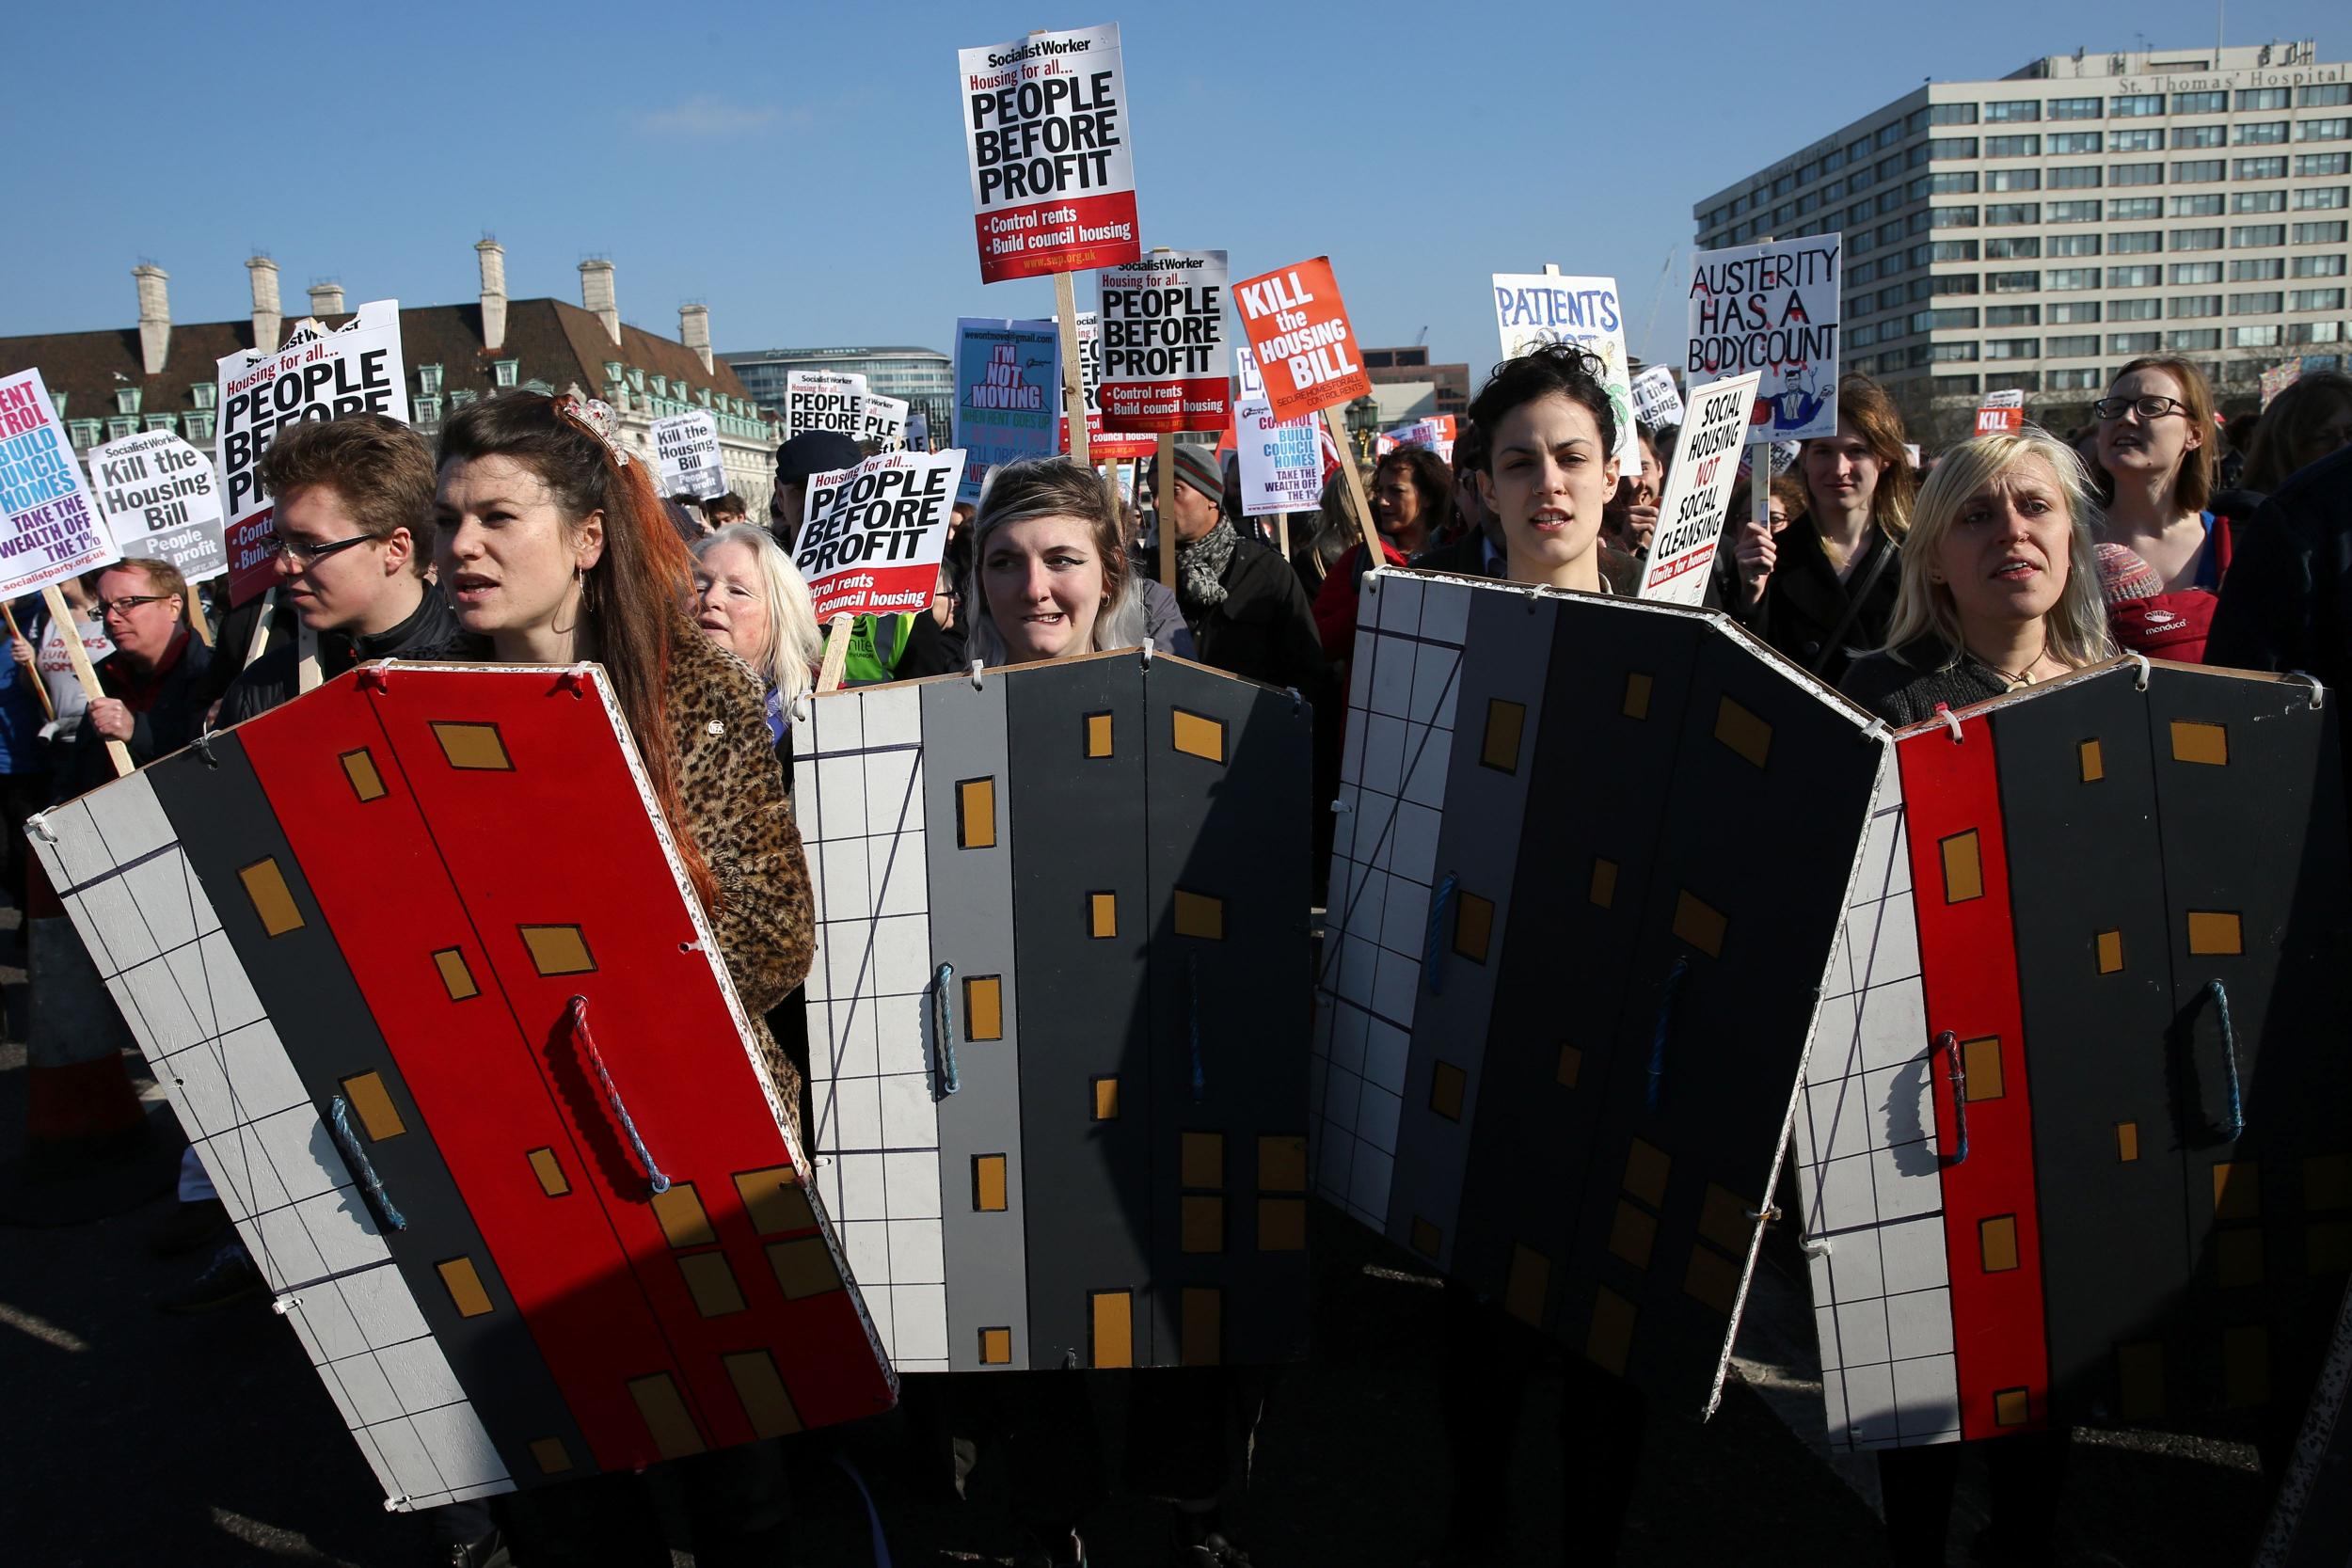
x=751 y=600
x=1831 y=588
x=1999 y=585
x=1050 y=572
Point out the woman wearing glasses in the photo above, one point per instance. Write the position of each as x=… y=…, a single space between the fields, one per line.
x=2155 y=447
x=152 y=686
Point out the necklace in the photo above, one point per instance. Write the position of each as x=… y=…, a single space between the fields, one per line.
x=2023 y=676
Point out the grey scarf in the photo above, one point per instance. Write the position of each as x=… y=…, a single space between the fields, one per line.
x=1200 y=567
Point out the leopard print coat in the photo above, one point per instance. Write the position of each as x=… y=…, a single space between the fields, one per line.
x=733 y=794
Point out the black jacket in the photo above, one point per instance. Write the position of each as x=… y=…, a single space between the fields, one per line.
x=1805 y=602
x=273 y=678
x=174 y=717
x=1466 y=557
x=2287 y=601
x=1904 y=688
x=1264 y=629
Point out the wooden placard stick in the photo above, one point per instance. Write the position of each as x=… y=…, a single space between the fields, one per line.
x=1358 y=503
x=837 y=658
x=83 y=671
x=41 y=687
x=1282 y=533
x=1074 y=375
x=259 y=639
x=196 y=622
x=307 y=672
x=1164 y=461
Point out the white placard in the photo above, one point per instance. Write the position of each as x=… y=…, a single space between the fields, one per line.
x=1698 y=486
x=161 y=500
x=49 y=526
x=822 y=400
x=1532 y=308
x=686 y=447
x=1771 y=308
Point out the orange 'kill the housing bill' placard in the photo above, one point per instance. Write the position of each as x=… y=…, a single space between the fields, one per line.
x=1297 y=329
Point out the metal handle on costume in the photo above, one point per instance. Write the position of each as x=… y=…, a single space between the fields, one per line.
x=576 y=1015
x=1956 y=1070
x=1433 y=947
x=355 y=1156
x=2220 y=995
x=1665 y=1026
x=943 y=1015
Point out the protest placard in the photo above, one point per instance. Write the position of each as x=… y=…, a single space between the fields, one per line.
x=918 y=432
x=883 y=421
x=1657 y=402
x=161 y=501
x=1165 y=360
x=872 y=536
x=1102 y=446
x=1698 y=489
x=1297 y=329
x=1436 y=431
x=1772 y=308
x=822 y=400
x=2001 y=414
x=1008 y=384
x=318 y=374
x=1281 y=462
x=686 y=447
x=1053 y=176
x=1532 y=308
x=2278 y=378
x=49 y=529
x=1245 y=372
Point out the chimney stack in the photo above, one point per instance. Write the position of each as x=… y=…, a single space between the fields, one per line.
x=597 y=296
x=326 y=298
x=693 y=330
x=268 y=323
x=155 y=315
x=493 y=256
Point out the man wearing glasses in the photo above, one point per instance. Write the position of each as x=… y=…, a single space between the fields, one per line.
x=354 y=538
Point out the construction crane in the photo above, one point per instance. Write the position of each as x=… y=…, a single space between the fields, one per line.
x=1422 y=338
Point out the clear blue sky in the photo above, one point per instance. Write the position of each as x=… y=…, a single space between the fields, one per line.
x=801 y=168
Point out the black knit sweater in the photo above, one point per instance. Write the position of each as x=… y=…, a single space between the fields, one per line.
x=1903 y=686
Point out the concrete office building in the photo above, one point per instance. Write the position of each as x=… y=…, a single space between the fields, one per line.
x=923 y=377
x=2039 y=231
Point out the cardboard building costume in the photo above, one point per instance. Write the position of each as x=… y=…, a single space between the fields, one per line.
x=415 y=962
x=1056 y=1040
x=1591 y=861
x=2073 y=1145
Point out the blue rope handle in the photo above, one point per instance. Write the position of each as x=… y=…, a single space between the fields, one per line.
x=2220 y=995
x=579 y=1019
x=1200 y=1076
x=944 y=1014
x=1957 y=1070
x=1666 y=1025
x=1433 y=947
x=355 y=1155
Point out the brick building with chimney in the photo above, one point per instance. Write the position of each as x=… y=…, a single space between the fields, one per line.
x=163 y=376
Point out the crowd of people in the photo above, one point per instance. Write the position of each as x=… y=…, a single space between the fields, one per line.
x=530 y=537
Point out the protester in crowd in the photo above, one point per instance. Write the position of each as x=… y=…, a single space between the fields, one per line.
x=2155 y=445
x=1834 y=578
x=2282 y=607
x=1477 y=551
x=1632 y=514
x=354 y=541
x=685 y=519
x=807 y=454
x=724 y=512
x=39 y=643
x=1329 y=533
x=26 y=782
x=1754 y=548
x=1246 y=610
x=1411 y=507
x=150 y=681
x=553 y=549
x=2237 y=437
x=2000 y=582
x=1051 y=578
x=751 y=600
x=1550 y=470
x=2304 y=423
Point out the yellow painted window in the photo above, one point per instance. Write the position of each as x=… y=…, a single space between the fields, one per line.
x=1102 y=914
x=1631 y=1235
x=1200 y=1161
x=2237 y=1190
x=990 y=1189
x=1700 y=924
x=552 y=1457
x=1473 y=925
x=1748 y=735
x=475 y=748
x=2094 y=766
x=273 y=900
x=1282 y=1225
x=558 y=949
x=1281 y=1163
x=667 y=1419
x=984 y=1008
x=1604 y=885
x=1098 y=735
x=2215 y=932
x=549 y=1170
x=761 y=1388
x=2126 y=1141
x=1106 y=1099
x=1428 y=1238
x=456 y=979
x=2194 y=741
x=1447 y=1085
x=1197 y=734
x=680 y=1213
x=1712 y=1278
x=711 y=1283
x=2011 y=1407
x=2110 y=952
x=1112 y=1315
x=1201 y=1222
x=803 y=1268
x=377 y=1114
x=975 y=814
x=774 y=1200
x=1645 y=1170
x=1505 y=721
x=996 y=1347
x=464 y=1287
x=1199 y=916
x=1981 y=1059
x=1527 y=1284
x=1963 y=868
x=1997 y=1242
x=366 y=782
x=1637 y=688
x=1724 y=1219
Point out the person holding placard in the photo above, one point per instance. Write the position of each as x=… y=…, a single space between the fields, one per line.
x=151 y=703
x=553 y=548
x=1248 y=614
x=1999 y=585
x=1831 y=588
